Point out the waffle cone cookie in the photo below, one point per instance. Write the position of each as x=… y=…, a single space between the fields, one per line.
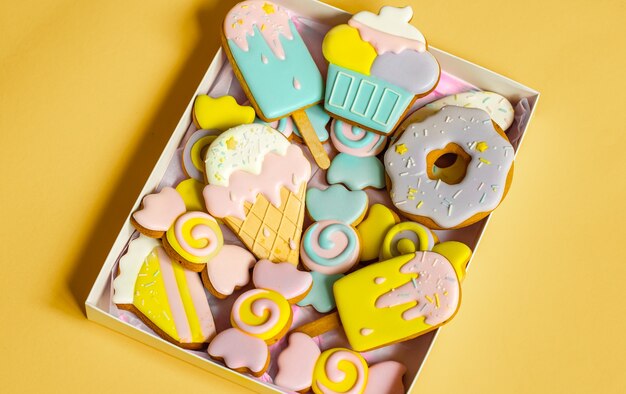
x=257 y=185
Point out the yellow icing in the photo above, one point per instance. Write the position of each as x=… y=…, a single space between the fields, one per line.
x=191 y=192
x=344 y=47
x=457 y=253
x=356 y=296
x=220 y=113
x=194 y=243
x=245 y=315
x=406 y=245
x=190 y=310
x=351 y=379
x=151 y=298
x=372 y=230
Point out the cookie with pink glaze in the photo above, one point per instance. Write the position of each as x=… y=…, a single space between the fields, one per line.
x=157 y=212
x=296 y=363
x=385 y=378
x=283 y=278
x=241 y=352
x=330 y=247
x=228 y=271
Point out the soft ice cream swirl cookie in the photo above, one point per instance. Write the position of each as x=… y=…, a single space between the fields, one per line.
x=450 y=199
x=330 y=247
x=340 y=370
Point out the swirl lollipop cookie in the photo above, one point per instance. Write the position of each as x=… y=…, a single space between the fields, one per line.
x=406 y=238
x=264 y=314
x=354 y=140
x=330 y=247
x=340 y=370
x=450 y=199
x=194 y=153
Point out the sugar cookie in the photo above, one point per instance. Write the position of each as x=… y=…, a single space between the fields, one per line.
x=385 y=378
x=165 y=296
x=405 y=238
x=437 y=201
x=194 y=153
x=157 y=212
x=336 y=203
x=372 y=230
x=262 y=313
x=330 y=247
x=283 y=278
x=241 y=352
x=220 y=113
x=228 y=271
x=190 y=191
x=296 y=363
x=357 y=173
x=339 y=370
x=379 y=65
x=354 y=140
x=321 y=296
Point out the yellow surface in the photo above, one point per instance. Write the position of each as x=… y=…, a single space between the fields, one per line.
x=90 y=91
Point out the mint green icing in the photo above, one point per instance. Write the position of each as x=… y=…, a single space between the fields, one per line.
x=336 y=203
x=356 y=173
x=321 y=296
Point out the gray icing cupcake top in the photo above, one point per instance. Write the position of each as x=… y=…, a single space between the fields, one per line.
x=482 y=188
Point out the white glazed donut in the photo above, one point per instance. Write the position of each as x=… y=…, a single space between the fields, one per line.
x=429 y=200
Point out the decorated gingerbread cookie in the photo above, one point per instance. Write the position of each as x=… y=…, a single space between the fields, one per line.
x=330 y=247
x=478 y=154
x=357 y=173
x=373 y=229
x=296 y=363
x=406 y=238
x=321 y=296
x=165 y=296
x=336 y=203
x=228 y=271
x=283 y=278
x=340 y=370
x=194 y=153
x=220 y=113
x=241 y=352
x=354 y=140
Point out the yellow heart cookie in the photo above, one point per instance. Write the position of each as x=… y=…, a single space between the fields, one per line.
x=220 y=113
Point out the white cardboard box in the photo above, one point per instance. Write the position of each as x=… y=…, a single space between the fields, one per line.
x=98 y=300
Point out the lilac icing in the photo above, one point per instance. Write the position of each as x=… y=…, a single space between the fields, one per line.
x=417 y=72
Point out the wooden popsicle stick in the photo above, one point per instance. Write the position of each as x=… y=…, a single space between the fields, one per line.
x=310 y=138
x=320 y=326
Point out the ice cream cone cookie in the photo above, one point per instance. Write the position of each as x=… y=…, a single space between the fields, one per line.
x=241 y=352
x=228 y=271
x=401 y=298
x=354 y=140
x=262 y=313
x=465 y=192
x=165 y=296
x=220 y=113
x=296 y=363
x=283 y=278
x=274 y=66
x=406 y=238
x=379 y=65
x=340 y=370
x=357 y=173
x=257 y=185
x=330 y=247
x=193 y=239
x=336 y=203
x=194 y=153
x=373 y=229
x=157 y=212
x=497 y=106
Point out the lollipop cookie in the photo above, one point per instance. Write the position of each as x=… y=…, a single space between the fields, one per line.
x=194 y=153
x=330 y=247
x=405 y=238
x=339 y=370
x=354 y=140
x=165 y=296
x=450 y=199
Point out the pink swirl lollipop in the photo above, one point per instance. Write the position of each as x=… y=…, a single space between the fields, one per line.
x=354 y=140
x=330 y=247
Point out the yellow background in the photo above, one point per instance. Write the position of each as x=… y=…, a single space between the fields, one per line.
x=90 y=90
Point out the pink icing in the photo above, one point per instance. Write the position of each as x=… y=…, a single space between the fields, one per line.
x=200 y=304
x=271 y=20
x=160 y=209
x=230 y=268
x=283 y=278
x=199 y=231
x=239 y=350
x=385 y=378
x=384 y=42
x=337 y=375
x=296 y=363
x=278 y=171
x=342 y=254
x=436 y=289
x=261 y=307
x=356 y=134
x=173 y=296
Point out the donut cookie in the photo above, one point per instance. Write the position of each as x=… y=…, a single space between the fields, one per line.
x=372 y=230
x=354 y=140
x=379 y=65
x=446 y=201
x=228 y=271
x=340 y=370
x=401 y=298
x=336 y=203
x=498 y=107
x=321 y=297
x=165 y=296
x=257 y=185
x=406 y=238
x=220 y=113
x=357 y=173
x=194 y=153
x=330 y=247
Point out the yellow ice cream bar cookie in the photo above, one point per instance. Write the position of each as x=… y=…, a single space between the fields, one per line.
x=401 y=298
